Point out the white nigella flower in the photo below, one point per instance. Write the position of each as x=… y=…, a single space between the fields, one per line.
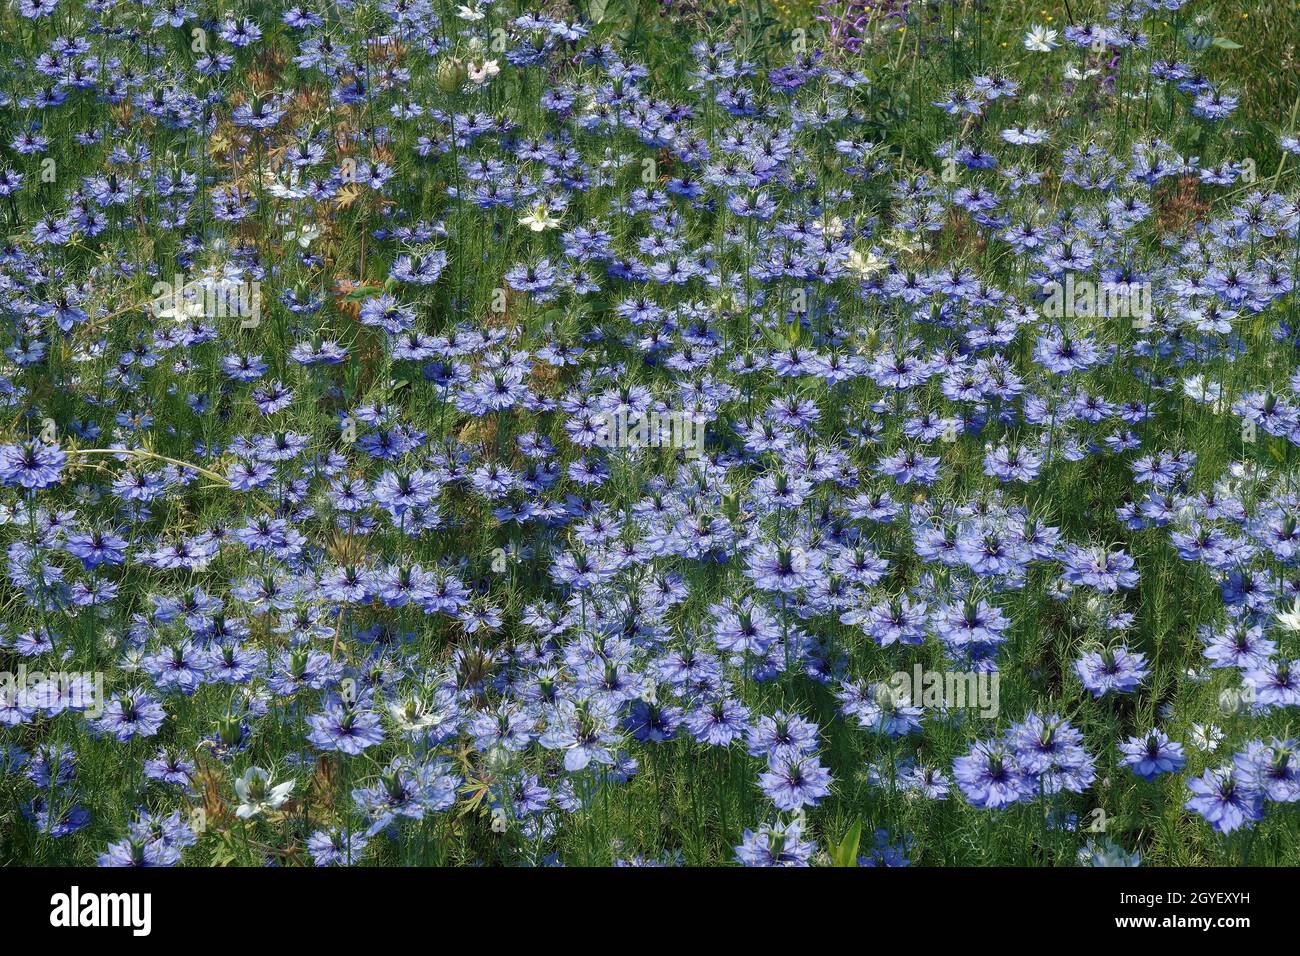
x=1205 y=737
x=180 y=307
x=304 y=236
x=866 y=264
x=903 y=243
x=258 y=792
x=481 y=73
x=1040 y=39
x=285 y=185
x=540 y=218
x=1201 y=390
x=1104 y=852
x=132 y=659
x=831 y=227
x=1290 y=620
x=1247 y=471
x=469 y=12
x=411 y=714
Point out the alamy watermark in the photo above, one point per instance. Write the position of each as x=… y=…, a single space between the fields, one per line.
x=75 y=909
x=210 y=298
x=1085 y=298
x=946 y=690
x=650 y=430
x=55 y=691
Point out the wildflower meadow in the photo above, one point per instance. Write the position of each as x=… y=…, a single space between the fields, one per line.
x=606 y=433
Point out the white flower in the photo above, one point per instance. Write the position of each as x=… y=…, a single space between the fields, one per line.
x=1290 y=620
x=467 y=12
x=903 y=243
x=1206 y=737
x=132 y=659
x=540 y=218
x=1202 y=390
x=1039 y=39
x=1104 y=852
x=305 y=236
x=178 y=306
x=411 y=714
x=831 y=227
x=480 y=74
x=258 y=792
x=287 y=185
x=1247 y=471
x=866 y=265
